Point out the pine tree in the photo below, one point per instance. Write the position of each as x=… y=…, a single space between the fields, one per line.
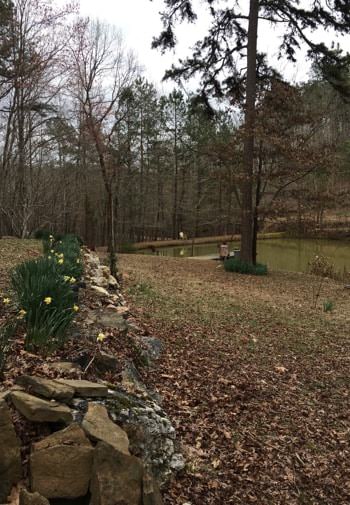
x=233 y=36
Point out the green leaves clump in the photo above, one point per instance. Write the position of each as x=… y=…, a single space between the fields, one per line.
x=46 y=298
x=241 y=267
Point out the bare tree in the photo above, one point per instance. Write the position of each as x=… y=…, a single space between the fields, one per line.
x=101 y=70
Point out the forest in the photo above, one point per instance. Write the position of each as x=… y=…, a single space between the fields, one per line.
x=86 y=140
x=174 y=255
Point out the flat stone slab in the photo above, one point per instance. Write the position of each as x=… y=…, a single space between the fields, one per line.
x=61 y=464
x=100 y=427
x=86 y=389
x=46 y=387
x=65 y=367
x=10 y=454
x=39 y=410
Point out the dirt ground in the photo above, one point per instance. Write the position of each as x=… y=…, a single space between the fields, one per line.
x=255 y=378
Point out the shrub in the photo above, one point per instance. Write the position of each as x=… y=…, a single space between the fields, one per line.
x=322 y=267
x=46 y=298
x=127 y=248
x=42 y=234
x=328 y=306
x=6 y=332
x=239 y=266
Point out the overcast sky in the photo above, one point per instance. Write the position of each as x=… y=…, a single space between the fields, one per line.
x=139 y=22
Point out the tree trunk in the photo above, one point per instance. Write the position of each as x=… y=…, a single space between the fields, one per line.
x=248 y=149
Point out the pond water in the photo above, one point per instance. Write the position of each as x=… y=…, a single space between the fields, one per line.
x=279 y=254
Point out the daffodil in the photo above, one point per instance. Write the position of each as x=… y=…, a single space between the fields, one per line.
x=22 y=313
x=72 y=280
x=60 y=261
x=78 y=261
x=49 y=257
x=48 y=300
x=6 y=301
x=75 y=308
x=52 y=251
x=66 y=278
x=101 y=337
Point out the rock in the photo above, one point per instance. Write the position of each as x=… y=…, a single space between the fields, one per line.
x=61 y=464
x=86 y=389
x=99 y=427
x=105 y=362
x=151 y=434
x=177 y=462
x=39 y=410
x=121 y=311
x=100 y=282
x=100 y=291
x=151 y=492
x=10 y=453
x=109 y=318
x=26 y=498
x=150 y=348
x=46 y=387
x=112 y=282
x=104 y=271
x=66 y=367
x=116 y=477
x=131 y=380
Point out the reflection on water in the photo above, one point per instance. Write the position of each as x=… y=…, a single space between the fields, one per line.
x=278 y=254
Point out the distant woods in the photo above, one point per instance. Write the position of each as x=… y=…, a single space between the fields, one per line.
x=89 y=146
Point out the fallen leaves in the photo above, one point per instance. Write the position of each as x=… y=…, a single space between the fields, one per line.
x=256 y=382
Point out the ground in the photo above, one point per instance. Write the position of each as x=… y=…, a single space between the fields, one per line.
x=255 y=378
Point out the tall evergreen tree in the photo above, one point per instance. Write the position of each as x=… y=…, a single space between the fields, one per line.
x=232 y=36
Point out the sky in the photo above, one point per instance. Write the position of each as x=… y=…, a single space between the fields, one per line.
x=139 y=21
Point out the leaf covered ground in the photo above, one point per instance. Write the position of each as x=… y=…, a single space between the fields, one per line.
x=255 y=378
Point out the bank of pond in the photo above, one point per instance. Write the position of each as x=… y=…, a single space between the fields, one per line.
x=279 y=254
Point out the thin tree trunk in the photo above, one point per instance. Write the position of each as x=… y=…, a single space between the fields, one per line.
x=248 y=150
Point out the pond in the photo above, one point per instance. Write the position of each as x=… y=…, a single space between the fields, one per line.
x=279 y=254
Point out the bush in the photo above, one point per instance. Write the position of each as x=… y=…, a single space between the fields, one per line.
x=47 y=299
x=239 y=266
x=127 y=248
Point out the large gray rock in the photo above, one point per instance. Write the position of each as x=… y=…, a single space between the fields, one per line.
x=26 y=498
x=86 y=389
x=10 y=454
x=116 y=477
x=61 y=464
x=46 y=387
x=99 y=427
x=106 y=318
x=151 y=434
x=39 y=410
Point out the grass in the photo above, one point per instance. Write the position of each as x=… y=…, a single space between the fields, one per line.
x=249 y=356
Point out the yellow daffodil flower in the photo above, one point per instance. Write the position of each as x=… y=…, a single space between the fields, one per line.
x=101 y=337
x=66 y=278
x=48 y=300
x=75 y=308
x=72 y=280
x=60 y=261
x=6 y=301
x=22 y=313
